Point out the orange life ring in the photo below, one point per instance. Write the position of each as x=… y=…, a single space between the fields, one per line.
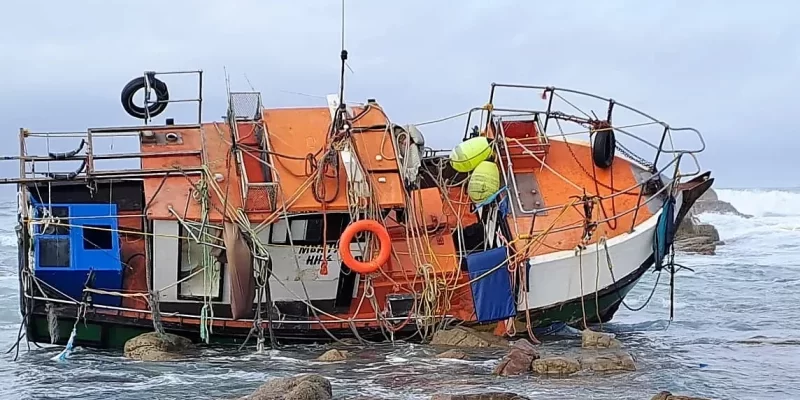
x=365 y=267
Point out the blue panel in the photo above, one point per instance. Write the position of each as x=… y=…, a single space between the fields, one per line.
x=92 y=244
x=492 y=294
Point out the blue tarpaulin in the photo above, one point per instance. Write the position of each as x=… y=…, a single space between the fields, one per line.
x=665 y=232
x=492 y=294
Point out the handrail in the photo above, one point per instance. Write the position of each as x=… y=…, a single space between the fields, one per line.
x=550 y=113
x=631 y=188
x=655 y=195
x=510 y=175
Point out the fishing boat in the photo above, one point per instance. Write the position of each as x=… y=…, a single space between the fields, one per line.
x=320 y=223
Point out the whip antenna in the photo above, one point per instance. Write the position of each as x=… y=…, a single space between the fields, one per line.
x=344 y=64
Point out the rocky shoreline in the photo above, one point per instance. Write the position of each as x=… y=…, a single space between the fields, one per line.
x=695 y=237
x=599 y=354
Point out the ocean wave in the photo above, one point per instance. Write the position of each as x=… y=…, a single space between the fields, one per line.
x=763 y=202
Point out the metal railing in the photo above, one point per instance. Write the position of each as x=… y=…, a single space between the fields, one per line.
x=85 y=153
x=247 y=108
x=492 y=120
x=147 y=94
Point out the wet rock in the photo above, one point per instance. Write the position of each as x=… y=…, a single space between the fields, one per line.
x=480 y=396
x=152 y=346
x=697 y=245
x=695 y=237
x=608 y=362
x=717 y=207
x=333 y=355
x=556 y=366
x=518 y=360
x=461 y=336
x=669 y=396
x=598 y=340
x=301 y=387
x=709 y=202
x=454 y=354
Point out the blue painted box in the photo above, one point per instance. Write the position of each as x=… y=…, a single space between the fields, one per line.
x=64 y=255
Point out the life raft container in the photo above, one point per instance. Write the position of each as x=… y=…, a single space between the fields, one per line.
x=374 y=227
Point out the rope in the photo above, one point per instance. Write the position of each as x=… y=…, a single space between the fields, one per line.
x=436 y=121
x=614 y=280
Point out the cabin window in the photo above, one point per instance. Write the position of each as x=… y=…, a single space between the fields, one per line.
x=59 y=215
x=54 y=252
x=307 y=229
x=195 y=283
x=97 y=237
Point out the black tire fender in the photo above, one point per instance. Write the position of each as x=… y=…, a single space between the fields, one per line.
x=604 y=145
x=137 y=84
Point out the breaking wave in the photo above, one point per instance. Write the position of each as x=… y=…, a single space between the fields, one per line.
x=763 y=202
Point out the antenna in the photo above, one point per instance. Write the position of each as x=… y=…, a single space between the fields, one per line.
x=342 y=107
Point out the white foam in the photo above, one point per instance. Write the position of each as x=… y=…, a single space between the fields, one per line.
x=763 y=203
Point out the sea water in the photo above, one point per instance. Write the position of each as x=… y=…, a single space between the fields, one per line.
x=734 y=336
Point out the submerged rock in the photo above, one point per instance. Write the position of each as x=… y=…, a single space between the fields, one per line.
x=333 y=355
x=301 y=387
x=153 y=346
x=454 y=354
x=669 y=396
x=518 y=360
x=480 y=396
x=461 y=336
x=608 y=362
x=556 y=366
x=598 y=340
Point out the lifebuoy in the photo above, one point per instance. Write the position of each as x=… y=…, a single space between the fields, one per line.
x=365 y=267
x=137 y=84
x=604 y=146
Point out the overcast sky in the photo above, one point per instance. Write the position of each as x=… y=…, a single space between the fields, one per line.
x=727 y=68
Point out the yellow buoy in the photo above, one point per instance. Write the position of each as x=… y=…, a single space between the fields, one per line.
x=467 y=155
x=484 y=182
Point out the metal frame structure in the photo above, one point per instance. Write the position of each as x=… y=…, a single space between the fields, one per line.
x=251 y=101
x=199 y=99
x=492 y=119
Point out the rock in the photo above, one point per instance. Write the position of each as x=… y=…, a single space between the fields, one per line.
x=695 y=237
x=480 y=396
x=461 y=336
x=302 y=387
x=717 y=207
x=333 y=355
x=152 y=346
x=598 y=340
x=697 y=245
x=608 y=362
x=454 y=354
x=556 y=366
x=709 y=195
x=707 y=230
x=669 y=396
x=709 y=202
x=518 y=360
